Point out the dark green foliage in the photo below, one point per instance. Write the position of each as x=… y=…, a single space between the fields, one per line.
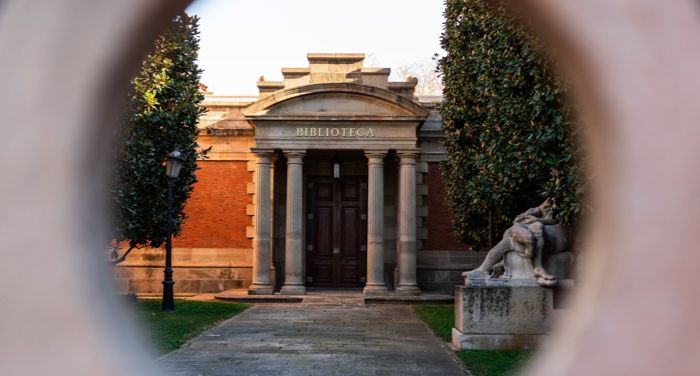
x=509 y=134
x=164 y=109
x=170 y=330
x=440 y=318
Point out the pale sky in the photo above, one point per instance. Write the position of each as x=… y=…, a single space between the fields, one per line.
x=242 y=40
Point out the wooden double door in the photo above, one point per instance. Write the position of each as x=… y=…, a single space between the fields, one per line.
x=336 y=231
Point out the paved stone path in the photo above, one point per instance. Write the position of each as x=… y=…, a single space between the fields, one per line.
x=327 y=335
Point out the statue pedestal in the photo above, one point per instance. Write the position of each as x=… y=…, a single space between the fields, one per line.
x=501 y=314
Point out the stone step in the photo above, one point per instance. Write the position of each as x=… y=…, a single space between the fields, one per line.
x=335 y=300
x=240 y=295
x=329 y=298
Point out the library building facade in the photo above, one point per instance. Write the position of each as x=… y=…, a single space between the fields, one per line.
x=329 y=179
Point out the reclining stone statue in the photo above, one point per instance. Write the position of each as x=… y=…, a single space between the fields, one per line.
x=538 y=240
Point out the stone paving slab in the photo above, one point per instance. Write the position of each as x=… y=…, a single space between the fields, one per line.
x=335 y=336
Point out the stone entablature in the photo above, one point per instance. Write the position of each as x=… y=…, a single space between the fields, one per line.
x=385 y=120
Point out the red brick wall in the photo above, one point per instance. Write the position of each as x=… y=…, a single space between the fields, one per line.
x=217 y=208
x=439 y=220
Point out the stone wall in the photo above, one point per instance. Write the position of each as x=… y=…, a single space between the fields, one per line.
x=439 y=217
x=213 y=253
x=439 y=271
x=195 y=270
x=216 y=211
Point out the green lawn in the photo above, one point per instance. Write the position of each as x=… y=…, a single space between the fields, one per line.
x=440 y=318
x=170 y=330
x=494 y=362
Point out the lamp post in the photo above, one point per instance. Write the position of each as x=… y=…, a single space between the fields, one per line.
x=172 y=169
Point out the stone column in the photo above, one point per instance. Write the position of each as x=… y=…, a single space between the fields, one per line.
x=261 y=246
x=273 y=231
x=293 y=250
x=375 y=223
x=407 y=224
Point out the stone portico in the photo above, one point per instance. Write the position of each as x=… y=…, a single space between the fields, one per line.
x=333 y=166
x=336 y=116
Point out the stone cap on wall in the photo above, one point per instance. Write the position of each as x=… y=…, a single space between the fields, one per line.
x=337 y=68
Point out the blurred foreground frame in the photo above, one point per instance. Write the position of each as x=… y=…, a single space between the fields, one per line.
x=634 y=66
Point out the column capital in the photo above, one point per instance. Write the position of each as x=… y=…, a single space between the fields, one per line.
x=408 y=153
x=262 y=152
x=294 y=156
x=376 y=155
x=408 y=156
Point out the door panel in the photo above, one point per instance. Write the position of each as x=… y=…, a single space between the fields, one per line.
x=350 y=246
x=349 y=275
x=350 y=225
x=351 y=191
x=336 y=231
x=322 y=267
x=324 y=191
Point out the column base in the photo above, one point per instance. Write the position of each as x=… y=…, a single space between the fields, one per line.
x=260 y=289
x=408 y=290
x=293 y=290
x=375 y=290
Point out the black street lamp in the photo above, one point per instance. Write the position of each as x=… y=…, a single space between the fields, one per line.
x=172 y=170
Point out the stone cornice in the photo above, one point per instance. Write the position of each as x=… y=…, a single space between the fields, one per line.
x=295 y=71
x=351 y=57
x=377 y=71
x=333 y=117
x=228 y=132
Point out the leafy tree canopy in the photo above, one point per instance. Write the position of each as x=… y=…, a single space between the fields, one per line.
x=509 y=134
x=164 y=109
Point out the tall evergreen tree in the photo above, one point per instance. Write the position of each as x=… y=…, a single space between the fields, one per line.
x=508 y=132
x=165 y=105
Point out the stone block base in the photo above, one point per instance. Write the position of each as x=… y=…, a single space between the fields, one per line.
x=461 y=341
x=182 y=286
x=293 y=290
x=260 y=290
x=195 y=270
x=501 y=314
x=408 y=291
x=375 y=291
